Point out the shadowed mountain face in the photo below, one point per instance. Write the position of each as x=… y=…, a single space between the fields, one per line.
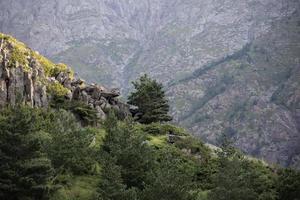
x=229 y=67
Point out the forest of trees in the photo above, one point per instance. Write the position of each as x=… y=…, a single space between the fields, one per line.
x=43 y=150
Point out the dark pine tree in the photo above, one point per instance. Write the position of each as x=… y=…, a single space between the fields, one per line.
x=150 y=99
x=25 y=170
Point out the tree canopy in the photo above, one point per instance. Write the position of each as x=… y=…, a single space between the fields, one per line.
x=151 y=101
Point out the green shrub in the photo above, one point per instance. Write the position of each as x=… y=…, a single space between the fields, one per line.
x=70 y=149
x=60 y=67
x=46 y=64
x=83 y=112
x=288 y=185
x=193 y=144
x=163 y=129
x=57 y=90
x=51 y=69
x=17 y=56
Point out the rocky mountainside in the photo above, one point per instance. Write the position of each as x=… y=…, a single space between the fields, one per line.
x=229 y=67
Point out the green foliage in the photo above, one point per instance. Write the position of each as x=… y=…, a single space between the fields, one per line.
x=47 y=64
x=57 y=90
x=49 y=154
x=84 y=113
x=150 y=99
x=77 y=188
x=172 y=179
x=129 y=150
x=194 y=145
x=51 y=69
x=25 y=169
x=111 y=186
x=61 y=67
x=37 y=147
x=20 y=52
x=17 y=56
x=288 y=184
x=162 y=129
x=158 y=140
x=99 y=136
x=134 y=168
x=126 y=159
x=239 y=178
x=69 y=148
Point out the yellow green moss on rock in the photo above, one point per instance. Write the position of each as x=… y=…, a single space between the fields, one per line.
x=57 y=89
x=51 y=69
x=20 y=54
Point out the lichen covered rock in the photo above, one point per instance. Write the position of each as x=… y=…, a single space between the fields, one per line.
x=30 y=79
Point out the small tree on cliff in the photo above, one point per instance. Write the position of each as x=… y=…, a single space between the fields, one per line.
x=150 y=99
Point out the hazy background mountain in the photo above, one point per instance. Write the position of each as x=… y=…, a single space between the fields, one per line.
x=229 y=66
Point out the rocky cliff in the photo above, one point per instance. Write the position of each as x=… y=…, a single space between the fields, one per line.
x=20 y=75
x=230 y=67
x=28 y=78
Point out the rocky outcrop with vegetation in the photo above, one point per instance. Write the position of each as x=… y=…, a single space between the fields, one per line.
x=28 y=78
x=21 y=76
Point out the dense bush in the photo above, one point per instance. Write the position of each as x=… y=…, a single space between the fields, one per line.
x=162 y=129
x=57 y=90
x=288 y=184
x=172 y=178
x=239 y=178
x=85 y=114
x=69 y=147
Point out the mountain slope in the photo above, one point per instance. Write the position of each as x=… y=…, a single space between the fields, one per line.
x=252 y=96
x=229 y=66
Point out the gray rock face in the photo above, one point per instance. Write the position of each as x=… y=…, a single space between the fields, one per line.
x=229 y=66
x=17 y=84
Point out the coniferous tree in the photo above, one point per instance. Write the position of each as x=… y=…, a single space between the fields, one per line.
x=172 y=178
x=150 y=99
x=25 y=170
x=111 y=186
x=69 y=147
x=127 y=159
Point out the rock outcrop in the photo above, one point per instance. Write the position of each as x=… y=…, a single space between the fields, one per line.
x=20 y=83
x=94 y=95
x=23 y=80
